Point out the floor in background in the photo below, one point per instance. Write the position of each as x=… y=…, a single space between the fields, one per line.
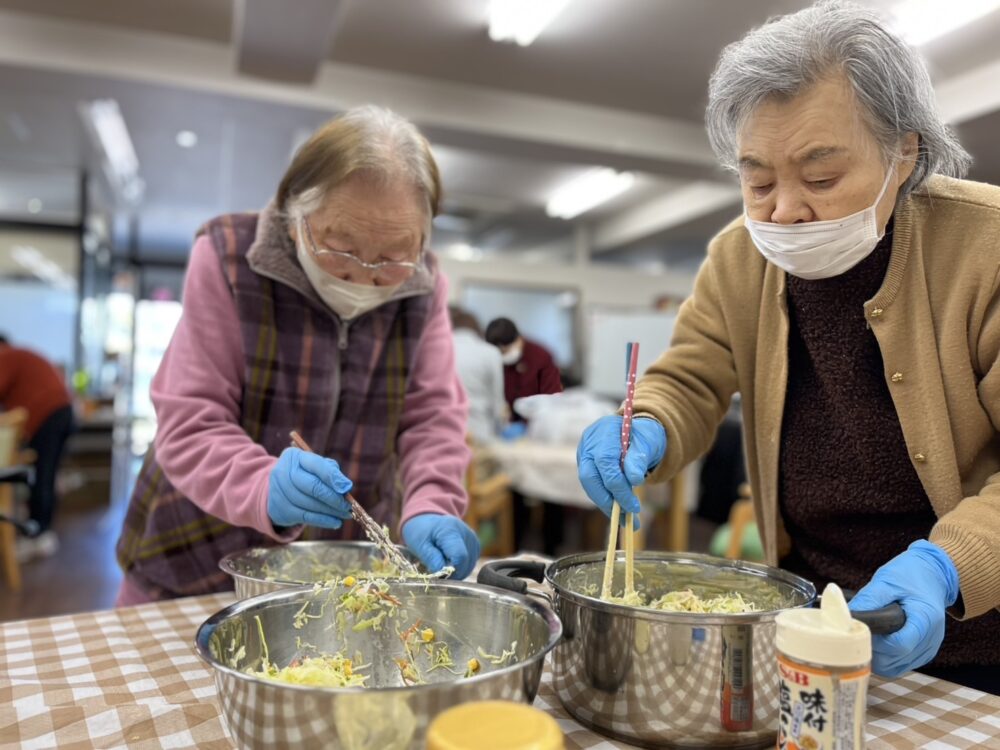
x=81 y=576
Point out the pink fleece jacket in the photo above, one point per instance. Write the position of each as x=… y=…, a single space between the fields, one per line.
x=207 y=455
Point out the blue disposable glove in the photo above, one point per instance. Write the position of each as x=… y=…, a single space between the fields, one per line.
x=305 y=488
x=514 y=430
x=598 y=461
x=924 y=581
x=440 y=540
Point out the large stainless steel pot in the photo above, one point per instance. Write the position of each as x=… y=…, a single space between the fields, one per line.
x=664 y=679
x=260 y=570
x=262 y=713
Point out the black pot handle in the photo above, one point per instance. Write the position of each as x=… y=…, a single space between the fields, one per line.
x=882 y=621
x=507 y=574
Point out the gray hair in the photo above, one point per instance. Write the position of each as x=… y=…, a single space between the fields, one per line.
x=790 y=53
x=368 y=139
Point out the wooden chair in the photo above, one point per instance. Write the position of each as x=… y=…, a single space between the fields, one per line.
x=490 y=500
x=11 y=428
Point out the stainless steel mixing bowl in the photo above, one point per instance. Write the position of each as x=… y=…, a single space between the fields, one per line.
x=387 y=715
x=260 y=570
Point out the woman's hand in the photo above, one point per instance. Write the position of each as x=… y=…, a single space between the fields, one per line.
x=440 y=540
x=306 y=488
x=598 y=459
x=925 y=583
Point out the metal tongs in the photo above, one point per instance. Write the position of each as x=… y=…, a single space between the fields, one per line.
x=372 y=530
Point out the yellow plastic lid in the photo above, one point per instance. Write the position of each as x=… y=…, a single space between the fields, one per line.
x=494 y=725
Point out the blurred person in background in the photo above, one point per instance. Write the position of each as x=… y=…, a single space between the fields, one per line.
x=855 y=307
x=480 y=369
x=528 y=368
x=30 y=381
x=325 y=313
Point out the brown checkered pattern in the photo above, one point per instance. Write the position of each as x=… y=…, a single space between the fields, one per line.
x=130 y=678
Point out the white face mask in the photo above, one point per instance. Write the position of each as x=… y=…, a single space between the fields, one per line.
x=513 y=355
x=345 y=298
x=819 y=249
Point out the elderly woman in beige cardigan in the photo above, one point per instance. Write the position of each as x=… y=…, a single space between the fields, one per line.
x=855 y=307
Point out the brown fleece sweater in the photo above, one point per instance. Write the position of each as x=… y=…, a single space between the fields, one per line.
x=846 y=514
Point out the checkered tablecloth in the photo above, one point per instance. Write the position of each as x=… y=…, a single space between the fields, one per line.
x=131 y=678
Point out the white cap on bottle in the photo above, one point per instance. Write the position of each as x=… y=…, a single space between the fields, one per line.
x=827 y=636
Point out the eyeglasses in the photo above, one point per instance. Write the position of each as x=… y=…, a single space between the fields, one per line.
x=384 y=272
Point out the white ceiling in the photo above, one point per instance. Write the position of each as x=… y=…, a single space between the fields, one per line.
x=612 y=82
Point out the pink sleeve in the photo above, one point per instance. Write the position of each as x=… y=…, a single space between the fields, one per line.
x=432 y=429
x=197 y=393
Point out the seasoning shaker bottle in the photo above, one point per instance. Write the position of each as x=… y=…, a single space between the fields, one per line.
x=824 y=662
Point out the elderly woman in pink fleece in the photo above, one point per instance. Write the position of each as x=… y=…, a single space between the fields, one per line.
x=325 y=313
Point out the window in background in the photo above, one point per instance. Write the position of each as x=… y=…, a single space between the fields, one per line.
x=155 y=321
x=547 y=316
x=38 y=286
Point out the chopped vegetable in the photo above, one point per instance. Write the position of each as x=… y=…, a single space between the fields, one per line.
x=472 y=667
x=333 y=670
x=409 y=672
x=500 y=660
x=688 y=601
x=361 y=605
x=441 y=657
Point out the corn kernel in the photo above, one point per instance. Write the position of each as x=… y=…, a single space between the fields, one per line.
x=350 y=581
x=427 y=635
x=473 y=665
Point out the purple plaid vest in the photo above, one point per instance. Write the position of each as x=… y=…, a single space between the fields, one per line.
x=340 y=386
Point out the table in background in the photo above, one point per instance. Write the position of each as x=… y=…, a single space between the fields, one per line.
x=548 y=472
x=132 y=677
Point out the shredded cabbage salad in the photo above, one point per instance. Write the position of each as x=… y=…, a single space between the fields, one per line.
x=362 y=605
x=688 y=601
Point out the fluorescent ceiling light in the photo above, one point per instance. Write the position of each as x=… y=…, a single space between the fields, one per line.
x=919 y=21
x=45 y=269
x=590 y=189
x=105 y=122
x=521 y=21
x=187 y=138
x=463 y=251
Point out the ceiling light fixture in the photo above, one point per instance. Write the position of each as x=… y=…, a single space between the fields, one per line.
x=920 y=21
x=186 y=138
x=521 y=21
x=104 y=120
x=590 y=189
x=463 y=251
x=32 y=260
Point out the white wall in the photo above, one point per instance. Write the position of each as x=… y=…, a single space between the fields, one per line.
x=597 y=285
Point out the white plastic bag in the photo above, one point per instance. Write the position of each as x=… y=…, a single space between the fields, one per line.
x=561 y=418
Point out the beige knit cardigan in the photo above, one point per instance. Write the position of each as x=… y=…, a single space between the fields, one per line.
x=937 y=322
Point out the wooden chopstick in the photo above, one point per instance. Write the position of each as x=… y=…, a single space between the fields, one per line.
x=372 y=530
x=629 y=553
x=609 y=560
x=631 y=364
